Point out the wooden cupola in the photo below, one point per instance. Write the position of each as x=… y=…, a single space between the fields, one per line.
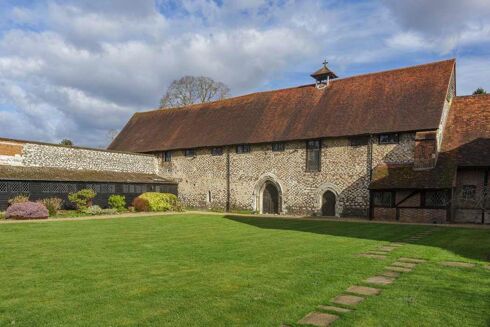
x=323 y=75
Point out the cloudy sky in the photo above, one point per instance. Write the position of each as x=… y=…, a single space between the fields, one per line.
x=79 y=69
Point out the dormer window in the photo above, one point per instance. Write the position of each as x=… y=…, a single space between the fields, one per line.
x=190 y=152
x=392 y=138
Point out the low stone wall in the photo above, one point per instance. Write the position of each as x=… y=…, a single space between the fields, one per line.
x=43 y=155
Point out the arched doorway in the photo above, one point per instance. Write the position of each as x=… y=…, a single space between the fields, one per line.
x=270 y=199
x=328 y=204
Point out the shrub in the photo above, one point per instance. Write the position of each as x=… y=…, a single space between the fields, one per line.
x=52 y=204
x=161 y=201
x=117 y=202
x=93 y=210
x=21 y=198
x=27 y=210
x=82 y=199
x=141 y=205
x=109 y=211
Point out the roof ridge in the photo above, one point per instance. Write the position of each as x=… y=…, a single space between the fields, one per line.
x=472 y=96
x=197 y=105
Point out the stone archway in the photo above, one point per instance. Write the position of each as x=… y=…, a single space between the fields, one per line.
x=328 y=200
x=268 y=188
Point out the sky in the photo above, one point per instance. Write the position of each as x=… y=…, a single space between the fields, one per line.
x=80 y=69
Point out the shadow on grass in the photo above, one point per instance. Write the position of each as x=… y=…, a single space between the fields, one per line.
x=466 y=242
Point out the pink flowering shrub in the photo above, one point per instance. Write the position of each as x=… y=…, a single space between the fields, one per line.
x=27 y=210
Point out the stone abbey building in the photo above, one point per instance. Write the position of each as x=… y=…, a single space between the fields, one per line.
x=395 y=145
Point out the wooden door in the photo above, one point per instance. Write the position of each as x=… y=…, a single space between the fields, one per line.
x=270 y=199
x=328 y=204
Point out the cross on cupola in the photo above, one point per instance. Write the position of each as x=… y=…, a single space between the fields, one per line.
x=323 y=75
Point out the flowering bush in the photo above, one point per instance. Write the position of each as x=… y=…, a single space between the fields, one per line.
x=52 y=204
x=117 y=202
x=27 y=210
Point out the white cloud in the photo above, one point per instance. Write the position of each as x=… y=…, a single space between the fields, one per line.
x=76 y=69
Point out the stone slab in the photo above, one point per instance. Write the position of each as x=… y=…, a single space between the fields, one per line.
x=486 y=267
x=386 y=248
x=318 y=319
x=363 y=290
x=377 y=252
x=372 y=256
x=379 y=280
x=404 y=264
x=398 y=269
x=396 y=244
x=390 y=273
x=457 y=264
x=334 y=309
x=413 y=260
x=348 y=299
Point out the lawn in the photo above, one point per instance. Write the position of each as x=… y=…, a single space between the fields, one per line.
x=218 y=270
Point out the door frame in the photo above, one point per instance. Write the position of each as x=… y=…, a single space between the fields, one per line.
x=259 y=192
x=319 y=195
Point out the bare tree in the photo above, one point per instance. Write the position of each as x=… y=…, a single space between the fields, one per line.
x=193 y=89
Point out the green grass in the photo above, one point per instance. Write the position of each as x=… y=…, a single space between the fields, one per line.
x=217 y=270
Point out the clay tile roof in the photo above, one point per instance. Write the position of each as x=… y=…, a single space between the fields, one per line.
x=467 y=133
x=405 y=177
x=407 y=99
x=71 y=175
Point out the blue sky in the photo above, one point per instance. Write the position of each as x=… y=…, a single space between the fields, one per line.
x=80 y=69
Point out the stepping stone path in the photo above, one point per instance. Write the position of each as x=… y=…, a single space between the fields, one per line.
x=404 y=264
x=387 y=248
x=334 y=309
x=486 y=267
x=398 y=269
x=345 y=299
x=457 y=264
x=363 y=290
x=318 y=319
x=413 y=260
x=379 y=280
x=390 y=274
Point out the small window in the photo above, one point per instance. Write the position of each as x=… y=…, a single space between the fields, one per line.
x=436 y=199
x=190 y=152
x=3 y=187
x=359 y=141
x=243 y=148
x=383 y=199
x=388 y=138
x=18 y=187
x=167 y=156
x=218 y=151
x=278 y=147
x=469 y=192
x=209 y=197
x=313 y=155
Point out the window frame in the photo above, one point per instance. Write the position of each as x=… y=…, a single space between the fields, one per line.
x=278 y=147
x=243 y=148
x=317 y=149
x=217 y=151
x=464 y=190
x=357 y=141
x=167 y=156
x=384 y=205
x=425 y=197
x=189 y=153
x=396 y=141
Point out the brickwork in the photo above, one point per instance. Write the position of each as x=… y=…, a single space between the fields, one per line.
x=344 y=171
x=423 y=215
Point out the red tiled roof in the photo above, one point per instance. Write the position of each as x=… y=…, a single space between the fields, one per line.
x=407 y=99
x=467 y=133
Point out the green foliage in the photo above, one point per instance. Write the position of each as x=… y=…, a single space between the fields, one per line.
x=52 y=204
x=97 y=210
x=479 y=91
x=117 y=202
x=21 y=198
x=82 y=199
x=66 y=142
x=161 y=201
